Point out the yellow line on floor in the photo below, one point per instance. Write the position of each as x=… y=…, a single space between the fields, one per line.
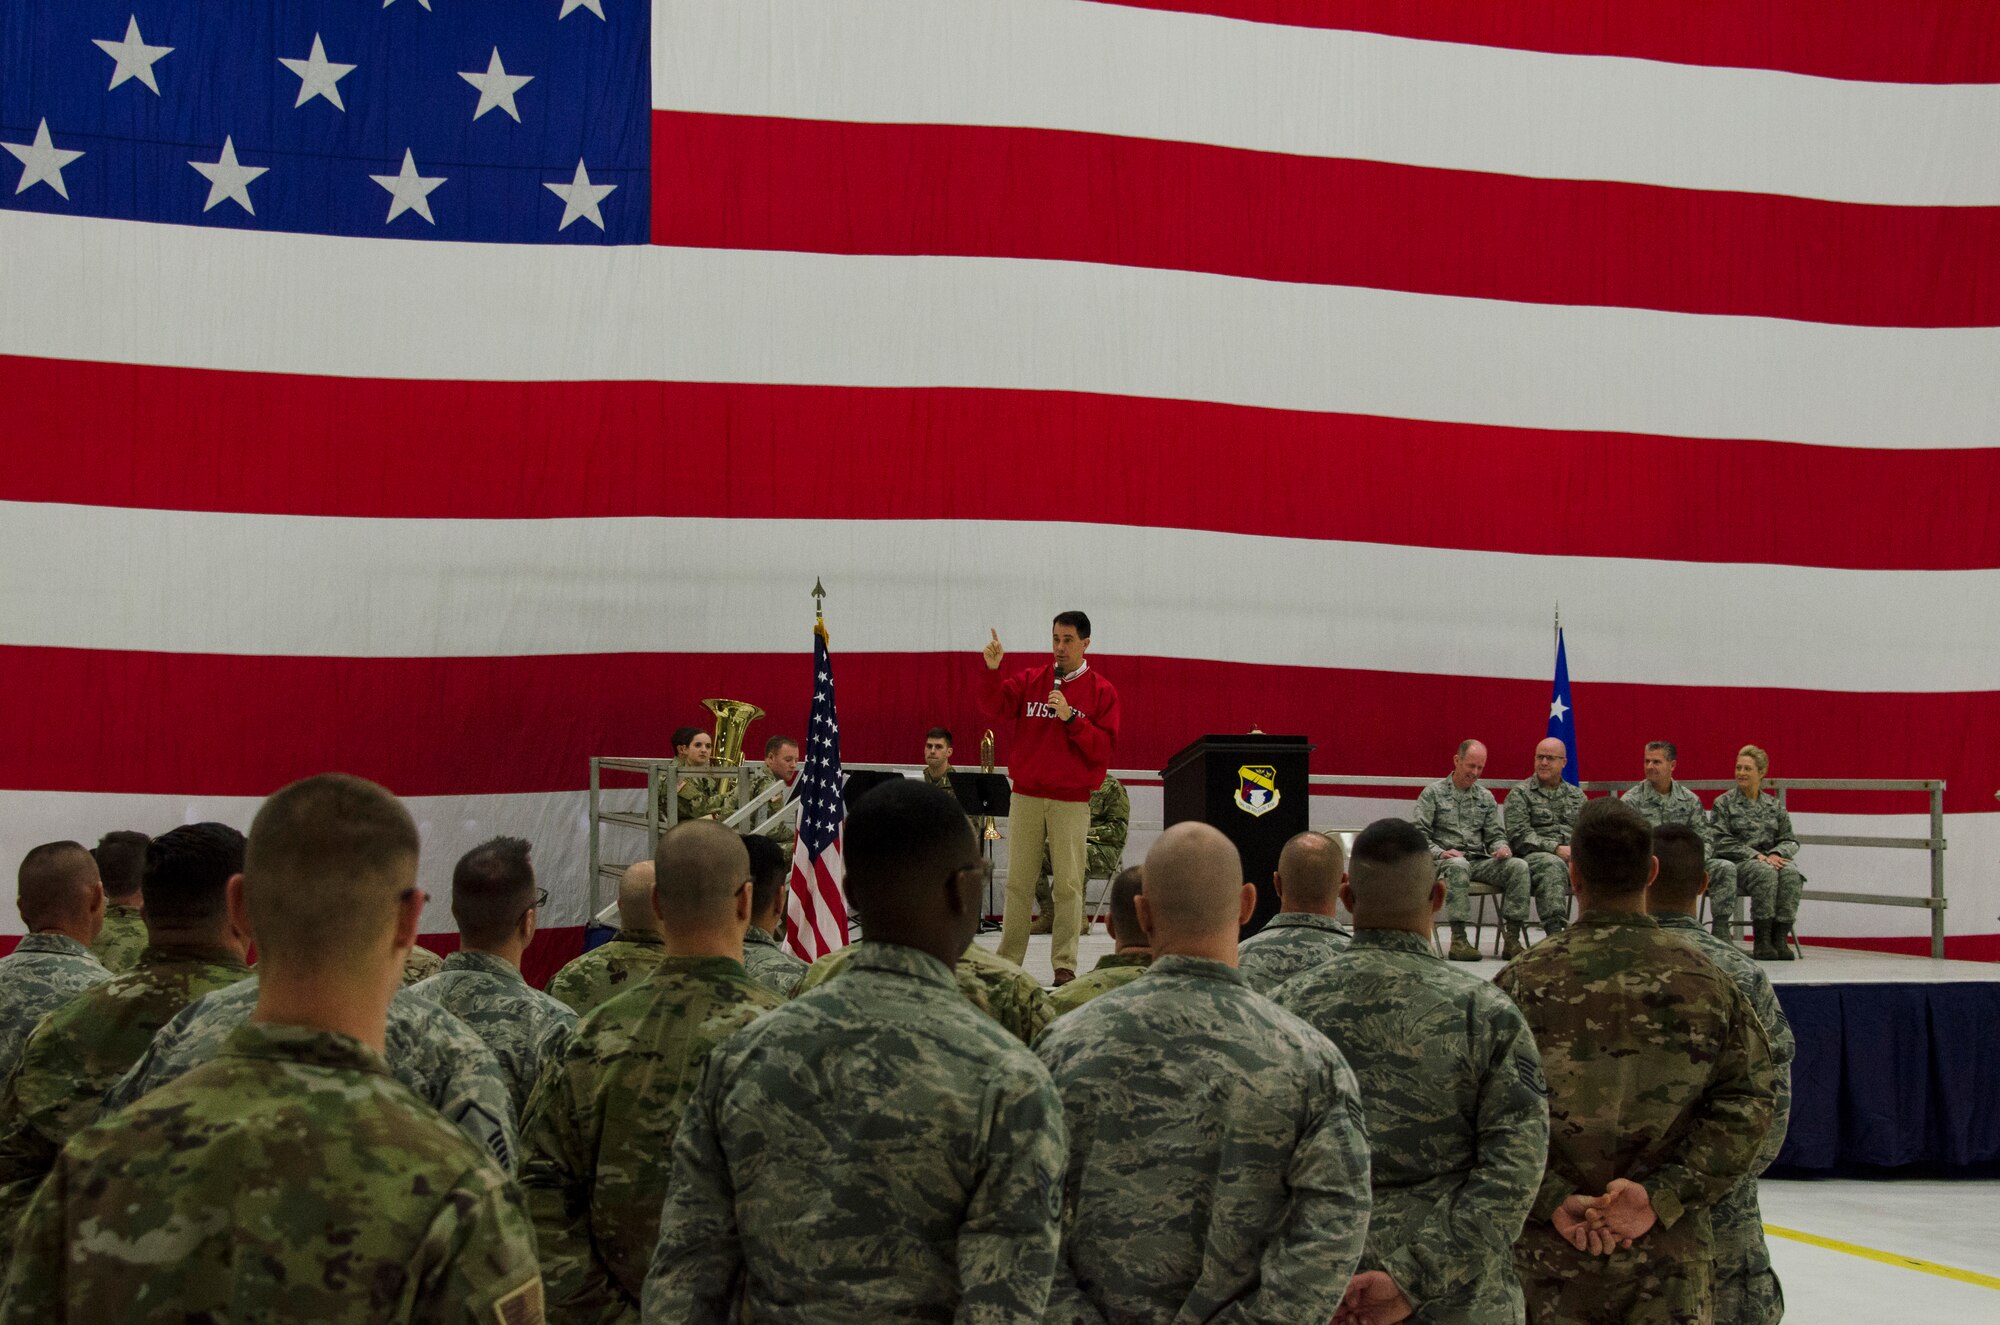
x=1887 y=1257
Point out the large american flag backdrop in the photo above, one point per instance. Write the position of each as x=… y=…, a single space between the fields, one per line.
x=450 y=391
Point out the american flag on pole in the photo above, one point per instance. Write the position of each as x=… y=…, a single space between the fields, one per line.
x=452 y=390
x=817 y=910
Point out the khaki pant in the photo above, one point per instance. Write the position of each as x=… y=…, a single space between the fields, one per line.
x=1064 y=826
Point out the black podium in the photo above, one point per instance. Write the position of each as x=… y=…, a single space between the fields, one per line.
x=1254 y=789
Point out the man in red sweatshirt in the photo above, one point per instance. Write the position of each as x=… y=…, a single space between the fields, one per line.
x=1064 y=719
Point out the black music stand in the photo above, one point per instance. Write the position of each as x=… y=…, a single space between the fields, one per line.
x=983 y=796
x=864 y=780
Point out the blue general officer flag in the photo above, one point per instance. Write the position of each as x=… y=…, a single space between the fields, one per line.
x=1562 y=714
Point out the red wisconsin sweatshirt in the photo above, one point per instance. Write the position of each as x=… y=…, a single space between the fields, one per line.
x=1050 y=758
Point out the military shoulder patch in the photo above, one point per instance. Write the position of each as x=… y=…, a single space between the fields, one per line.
x=523 y=1306
x=1531 y=1074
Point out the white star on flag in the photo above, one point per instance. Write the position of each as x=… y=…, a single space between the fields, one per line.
x=409 y=191
x=497 y=87
x=42 y=161
x=580 y=197
x=594 y=6
x=228 y=178
x=318 y=76
x=1557 y=708
x=135 y=58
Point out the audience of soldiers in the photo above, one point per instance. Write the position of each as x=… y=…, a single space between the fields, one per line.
x=1311 y=1125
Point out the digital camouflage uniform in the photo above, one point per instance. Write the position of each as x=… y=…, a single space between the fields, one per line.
x=1659 y=1071
x=1682 y=806
x=524 y=1027
x=1745 y=1284
x=1458 y=1119
x=1218 y=1167
x=1113 y=970
x=43 y=972
x=874 y=1151
x=607 y=970
x=288 y=1179
x=1290 y=942
x=121 y=940
x=702 y=797
x=430 y=1051
x=785 y=834
x=770 y=963
x=1741 y=833
x=1539 y=819
x=1469 y=820
x=600 y=1131
x=420 y=964
x=991 y=983
x=84 y=1046
x=1103 y=843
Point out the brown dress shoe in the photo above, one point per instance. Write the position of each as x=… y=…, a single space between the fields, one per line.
x=1063 y=976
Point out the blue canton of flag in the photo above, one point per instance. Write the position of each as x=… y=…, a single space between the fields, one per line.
x=1562 y=715
x=817 y=908
x=518 y=121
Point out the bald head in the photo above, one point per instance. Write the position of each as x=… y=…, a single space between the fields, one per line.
x=701 y=868
x=1391 y=876
x=58 y=888
x=1193 y=887
x=1551 y=756
x=1309 y=870
x=635 y=897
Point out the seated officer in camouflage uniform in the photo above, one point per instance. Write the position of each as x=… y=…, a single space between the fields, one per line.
x=695 y=796
x=1218 y=1169
x=875 y=1150
x=1103 y=849
x=121 y=865
x=772 y=782
x=1661 y=1090
x=290 y=1178
x=1133 y=955
x=770 y=963
x=1746 y=1287
x=1304 y=934
x=1458 y=1117
x=1540 y=815
x=496 y=904
x=600 y=1132
x=1469 y=845
x=1661 y=800
x=1751 y=829
x=620 y=962
x=62 y=904
x=85 y=1045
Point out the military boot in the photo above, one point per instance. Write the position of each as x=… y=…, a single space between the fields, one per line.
x=1043 y=924
x=1554 y=925
x=1763 y=950
x=1461 y=949
x=1516 y=942
x=1781 y=941
x=1723 y=928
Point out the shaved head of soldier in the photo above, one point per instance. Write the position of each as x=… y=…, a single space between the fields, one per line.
x=770 y=868
x=635 y=898
x=1611 y=856
x=1195 y=900
x=1551 y=757
x=1392 y=881
x=1683 y=875
x=913 y=868
x=701 y=886
x=328 y=874
x=57 y=891
x=1126 y=931
x=1310 y=869
x=121 y=864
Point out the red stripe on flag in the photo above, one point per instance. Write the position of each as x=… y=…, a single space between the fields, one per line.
x=122 y=435
x=233 y=725
x=723 y=181
x=1908 y=41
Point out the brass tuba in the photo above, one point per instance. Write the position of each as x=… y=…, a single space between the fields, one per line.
x=732 y=720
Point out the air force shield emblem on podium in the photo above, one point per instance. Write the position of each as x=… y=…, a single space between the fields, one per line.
x=1256 y=789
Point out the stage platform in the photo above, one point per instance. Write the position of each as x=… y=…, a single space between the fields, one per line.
x=1898 y=1064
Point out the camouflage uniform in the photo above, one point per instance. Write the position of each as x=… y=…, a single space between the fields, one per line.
x=1540 y=819
x=524 y=1027
x=1113 y=970
x=122 y=939
x=43 y=972
x=84 y=1046
x=1658 y=1071
x=421 y=964
x=1469 y=821
x=1458 y=1119
x=1746 y=1286
x=1218 y=1167
x=1742 y=832
x=991 y=983
x=785 y=834
x=701 y=797
x=1290 y=942
x=430 y=1051
x=770 y=963
x=600 y=1131
x=1103 y=844
x=872 y=1151
x=1681 y=806
x=607 y=970
x=290 y=1178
